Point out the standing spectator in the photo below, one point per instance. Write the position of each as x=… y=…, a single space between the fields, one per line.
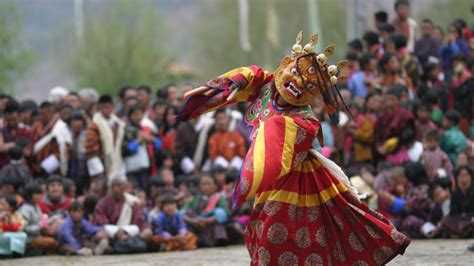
x=172 y=94
x=461 y=75
x=455 y=45
x=57 y=96
x=170 y=228
x=104 y=139
x=432 y=84
x=128 y=104
x=191 y=144
x=453 y=141
x=423 y=122
x=226 y=148
x=385 y=31
x=74 y=100
x=11 y=131
x=380 y=18
x=169 y=93
x=78 y=236
x=27 y=109
x=144 y=97
x=168 y=130
x=408 y=61
x=364 y=80
x=52 y=140
x=139 y=148
x=355 y=46
x=433 y=158
x=427 y=45
x=125 y=92
x=404 y=24
x=438 y=34
x=89 y=98
x=372 y=44
x=352 y=64
x=122 y=218
x=77 y=168
x=392 y=72
x=158 y=114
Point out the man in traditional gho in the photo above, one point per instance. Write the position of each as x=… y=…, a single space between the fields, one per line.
x=305 y=210
x=104 y=139
x=52 y=140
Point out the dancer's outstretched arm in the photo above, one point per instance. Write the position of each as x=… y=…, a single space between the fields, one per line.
x=238 y=85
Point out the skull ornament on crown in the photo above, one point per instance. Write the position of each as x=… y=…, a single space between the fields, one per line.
x=304 y=74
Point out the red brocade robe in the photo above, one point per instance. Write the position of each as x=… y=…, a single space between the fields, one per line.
x=303 y=214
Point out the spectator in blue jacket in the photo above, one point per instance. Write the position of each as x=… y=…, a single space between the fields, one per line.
x=78 y=237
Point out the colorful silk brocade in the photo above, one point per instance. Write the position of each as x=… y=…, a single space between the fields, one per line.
x=303 y=214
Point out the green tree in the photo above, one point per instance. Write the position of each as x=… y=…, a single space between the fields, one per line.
x=218 y=32
x=14 y=57
x=124 y=43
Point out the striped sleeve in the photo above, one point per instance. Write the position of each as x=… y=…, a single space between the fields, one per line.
x=215 y=94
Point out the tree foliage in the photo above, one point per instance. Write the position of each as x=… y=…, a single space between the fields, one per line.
x=218 y=32
x=123 y=44
x=14 y=58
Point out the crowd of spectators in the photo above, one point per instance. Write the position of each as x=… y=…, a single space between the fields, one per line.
x=83 y=174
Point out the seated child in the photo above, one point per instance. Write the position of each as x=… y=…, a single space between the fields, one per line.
x=220 y=174
x=170 y=228
x=12 y=239
x=240 y=216
x=89 y=206
x=433 y=158
x=38 y=244
x=403 y=203
x=460 y=221
x=207 y=212
x=441 y=197
x=77 y=236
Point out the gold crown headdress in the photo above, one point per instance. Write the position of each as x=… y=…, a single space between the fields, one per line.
x=298 y=50
x=330 y=94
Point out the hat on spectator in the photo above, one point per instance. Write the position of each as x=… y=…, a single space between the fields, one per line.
x=57 y=94
x=89 y=94
x=54 y=179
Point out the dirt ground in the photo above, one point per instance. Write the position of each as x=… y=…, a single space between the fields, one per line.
x=420 y=252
